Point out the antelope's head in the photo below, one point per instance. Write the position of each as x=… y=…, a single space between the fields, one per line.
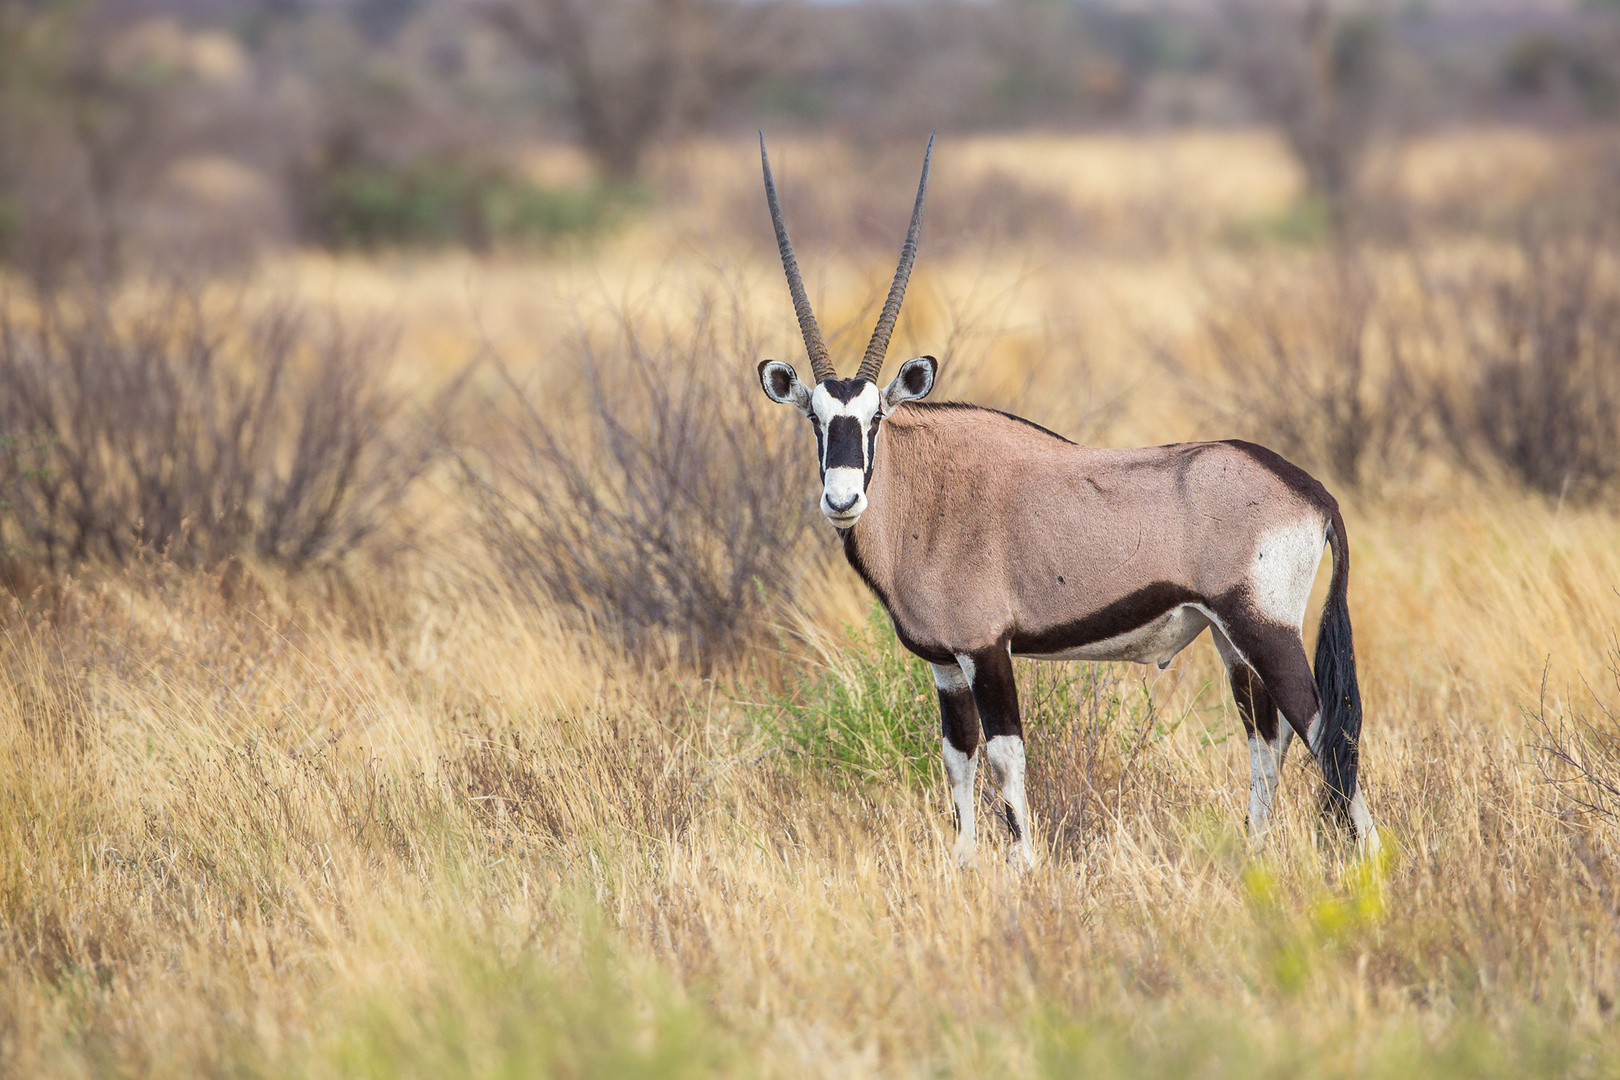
x=846 y=413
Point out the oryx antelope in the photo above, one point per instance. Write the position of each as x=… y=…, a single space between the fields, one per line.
x=988 y=537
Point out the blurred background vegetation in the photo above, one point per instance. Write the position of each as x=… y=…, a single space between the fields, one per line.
x=160 y=130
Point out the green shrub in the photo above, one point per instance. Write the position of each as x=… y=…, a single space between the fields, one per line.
x=434 y=204
x=1305 y=222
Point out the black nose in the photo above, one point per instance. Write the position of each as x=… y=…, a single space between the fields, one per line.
x=839 y=508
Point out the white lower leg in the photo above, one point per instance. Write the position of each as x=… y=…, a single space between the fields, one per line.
x=1366 y=834
x=1006 y=754
x=1264 y=759
x=960 y=770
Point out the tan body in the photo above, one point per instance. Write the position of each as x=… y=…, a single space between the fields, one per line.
x=1058 y=532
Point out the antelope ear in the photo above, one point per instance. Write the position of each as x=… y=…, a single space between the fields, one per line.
x=914 y=380
x=782 y=385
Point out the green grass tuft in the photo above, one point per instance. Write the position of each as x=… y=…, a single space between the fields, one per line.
x=869 y=714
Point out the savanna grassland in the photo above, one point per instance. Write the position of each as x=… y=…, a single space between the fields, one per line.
x=581 y=753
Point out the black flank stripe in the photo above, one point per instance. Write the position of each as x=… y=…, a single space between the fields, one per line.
x=1121 y=617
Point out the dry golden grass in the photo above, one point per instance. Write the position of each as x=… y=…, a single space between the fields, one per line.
x=370 y=825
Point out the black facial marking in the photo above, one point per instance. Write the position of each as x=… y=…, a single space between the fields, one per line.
x=844 y=443
x=871 y=447
x=821 y=447
x=844 y=390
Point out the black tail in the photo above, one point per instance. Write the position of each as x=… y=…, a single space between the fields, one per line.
x=1338 y=735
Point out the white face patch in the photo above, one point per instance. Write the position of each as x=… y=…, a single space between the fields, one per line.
x=844 y=441
x=1284 y=568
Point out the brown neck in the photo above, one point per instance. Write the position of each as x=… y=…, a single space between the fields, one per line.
x=906 y=459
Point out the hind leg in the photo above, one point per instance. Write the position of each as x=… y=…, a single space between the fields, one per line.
x=1268 y=736
x=1366 y=834
x=1277 y=655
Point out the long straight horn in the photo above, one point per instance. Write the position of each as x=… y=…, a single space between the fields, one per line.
x=872 y=362
x=820 y=364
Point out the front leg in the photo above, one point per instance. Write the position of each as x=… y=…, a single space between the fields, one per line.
x=959 y=728
x=995 y=692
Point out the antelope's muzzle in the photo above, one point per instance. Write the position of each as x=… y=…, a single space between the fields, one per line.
x=843 y=496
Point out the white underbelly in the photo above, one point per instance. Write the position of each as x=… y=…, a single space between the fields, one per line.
x=1156 y=642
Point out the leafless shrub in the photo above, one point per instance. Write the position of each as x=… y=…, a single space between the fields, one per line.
x=1303 y=362
x=674 y=512
x=1578 y=756
x=166 y=430
x=1541 y=399
x=639 y=69
x=1089 y=729
x=126 y=139
x=1316 y=69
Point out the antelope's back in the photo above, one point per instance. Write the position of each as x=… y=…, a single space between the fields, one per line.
x=1009 y=524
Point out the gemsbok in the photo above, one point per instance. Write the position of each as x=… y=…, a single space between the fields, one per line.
x=986 y=536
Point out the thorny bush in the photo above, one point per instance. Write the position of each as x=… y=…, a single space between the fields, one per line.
x=671 y=509
x=158 y=427
x=1578 y=755
x=1541 y=399
x=1301 y=360
x=1331 y=361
